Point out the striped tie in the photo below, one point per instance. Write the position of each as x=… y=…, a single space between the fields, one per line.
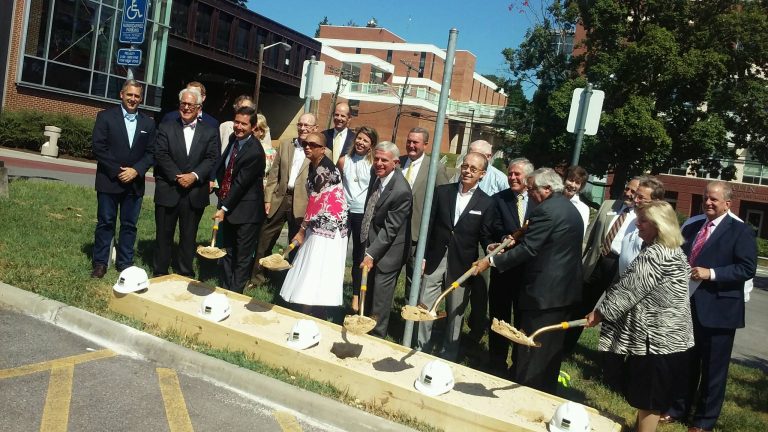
x=606 y=249
x=520 y=211
x=701 y=238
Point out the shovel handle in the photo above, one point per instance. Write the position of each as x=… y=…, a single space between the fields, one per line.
x=290 y=247
x=215 y=230
x=575 y=323
x=363 y=289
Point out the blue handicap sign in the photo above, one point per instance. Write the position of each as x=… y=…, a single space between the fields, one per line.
x=128 y=57
x=134 y=23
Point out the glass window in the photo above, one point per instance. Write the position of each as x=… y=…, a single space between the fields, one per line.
x=241 y=41
x=180 y=17
x=99 y=84
x=203 y=27
x=67 y=77
x=72 y=32
x=102 y=58
x=422 y=63
x=32 y=70
x=389 y=56
x=37 y=27
x=223 y=31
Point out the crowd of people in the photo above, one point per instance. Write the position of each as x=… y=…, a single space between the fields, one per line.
x=668 y=300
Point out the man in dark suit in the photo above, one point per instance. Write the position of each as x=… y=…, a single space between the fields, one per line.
x=513 y=207
x=723 y=255
x=123 y=144
x=462 y=219
x=204 y=117
x=385 y=232
x=185 y=155
x=339 y=138
x=551 y=251
x=415 y=168
x=240 y=175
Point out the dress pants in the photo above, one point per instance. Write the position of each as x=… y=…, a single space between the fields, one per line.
x=539 y=367
x=240 y=241
x=433 y=285
x=166 y=218
x=501 y=293
x=708 y=374
x=478 y=299
x=270 y=232
x=109 y=204
x=358 y=250
x=378 y=300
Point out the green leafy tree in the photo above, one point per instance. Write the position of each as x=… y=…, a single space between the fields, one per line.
x=683 y=81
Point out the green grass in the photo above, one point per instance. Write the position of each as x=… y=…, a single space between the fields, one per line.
x=46 y=236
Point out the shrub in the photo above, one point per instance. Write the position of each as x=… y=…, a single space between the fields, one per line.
x=24 y=129
x=762 y=247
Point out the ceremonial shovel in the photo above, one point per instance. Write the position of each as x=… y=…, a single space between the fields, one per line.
x=278 y=262
x=211 y=252
x=360 y=324
x=519 y=337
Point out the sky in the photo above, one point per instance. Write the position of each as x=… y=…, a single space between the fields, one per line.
x=485 y=27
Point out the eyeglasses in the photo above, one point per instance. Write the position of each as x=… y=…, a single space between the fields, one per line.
x=469 y=167
x=187 y=105
x=304 y=125
x=311 y=144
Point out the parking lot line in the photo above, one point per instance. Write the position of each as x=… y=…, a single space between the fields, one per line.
x=50 y=364
x=173 y=399
x=287 y=421
x=57 y=400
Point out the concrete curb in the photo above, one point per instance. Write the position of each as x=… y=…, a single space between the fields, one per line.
x=134 y=342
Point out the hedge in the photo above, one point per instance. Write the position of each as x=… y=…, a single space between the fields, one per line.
x=24 y=129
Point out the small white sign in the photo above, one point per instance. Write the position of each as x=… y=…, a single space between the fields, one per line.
x=317 y=80
x=593 y=112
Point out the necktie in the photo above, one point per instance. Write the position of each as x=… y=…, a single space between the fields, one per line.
x=130 y=117
x=191 y=125
x=606 y=249
x=226 y=183
x=520 y=211
x=368 y=215
x=408 y=172
x=336 y=147
x=701 y=238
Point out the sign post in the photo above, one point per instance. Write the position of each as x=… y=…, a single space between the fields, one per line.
x=584 y=116
x=132 y=29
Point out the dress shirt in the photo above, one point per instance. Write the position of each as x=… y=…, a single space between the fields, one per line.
x=130 y=120
x=462 y=199
x=583 y=210
x=385 y=181
x=715 y=224
x=298 y=159
x=493 y=181
x=630 y=248
x=628 y=222
x=414 y=166
x=189 y=133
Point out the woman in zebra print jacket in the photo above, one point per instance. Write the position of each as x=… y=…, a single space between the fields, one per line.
x=646 y=316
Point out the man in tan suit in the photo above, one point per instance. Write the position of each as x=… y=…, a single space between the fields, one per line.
x=285 y=195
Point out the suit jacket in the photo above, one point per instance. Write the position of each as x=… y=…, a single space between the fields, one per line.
x=206 y=118
x=596 y=233
x=459 y=241
x=507 y=220
x=551 y=251
x=245 y=202
x=731 y=250
x=389 y=231
x=348 y=142
x=277 y=181
x=171 y=159
x=419 y=191
x=112 y=151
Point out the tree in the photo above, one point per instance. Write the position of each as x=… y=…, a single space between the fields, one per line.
x=321 y=23
x=683 y=80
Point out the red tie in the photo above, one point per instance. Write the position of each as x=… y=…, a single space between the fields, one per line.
x=227 y=182
x=701 y=238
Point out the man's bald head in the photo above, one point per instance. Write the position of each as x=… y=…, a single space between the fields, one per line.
x=483 y=147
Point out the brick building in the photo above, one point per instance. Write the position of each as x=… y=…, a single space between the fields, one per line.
x=376 y=66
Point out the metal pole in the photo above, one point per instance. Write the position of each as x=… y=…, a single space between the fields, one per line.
x=581 y=122
x=258 y=78
x=400 y=105
x=471 y=124
x=433 y=163
x=308 y=88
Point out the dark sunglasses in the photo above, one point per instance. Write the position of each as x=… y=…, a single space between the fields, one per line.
x=310 y=144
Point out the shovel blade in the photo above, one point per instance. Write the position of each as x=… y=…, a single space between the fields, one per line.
x=358 y=324
x=210 y=252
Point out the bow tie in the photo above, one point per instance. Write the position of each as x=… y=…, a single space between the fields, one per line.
x=191 y=125
x=130 y=117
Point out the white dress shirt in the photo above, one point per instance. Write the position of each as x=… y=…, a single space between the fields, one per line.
x=462 y=199
x=298 y=159
x=414 y=166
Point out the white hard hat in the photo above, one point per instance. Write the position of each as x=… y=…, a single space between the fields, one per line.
x=131 y=280
x=304 y=334
x=436 y=378
x=569 y=417
x=215 y=307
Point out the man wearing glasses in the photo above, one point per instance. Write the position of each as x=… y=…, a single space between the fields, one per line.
x=462 y=218
x=201 y=116
x=285 y=194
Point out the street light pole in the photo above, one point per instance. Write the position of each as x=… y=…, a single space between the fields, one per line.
x=402 y=97
x=471 y=123
x=263 y=48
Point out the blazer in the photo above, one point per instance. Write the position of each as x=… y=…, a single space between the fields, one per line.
x=171 y=159
x=419 y=191
x=551 y=251
x=390 y=227
x=111 y=149
x=507 y=220
x=731 y=251
x=459 y=241
x=277 y=181
x=596 y=233
x=348 y=142
x=245 y=202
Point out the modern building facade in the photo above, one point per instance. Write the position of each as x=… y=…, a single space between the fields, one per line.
x=380 y=69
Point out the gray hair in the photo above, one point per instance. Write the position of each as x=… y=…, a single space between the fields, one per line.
x=482 y=146
x=194 y=91
x=547 y=177
x=388 y=146
x=420 y=130
x=725 y=187
x=132 y=83
x=523 y=162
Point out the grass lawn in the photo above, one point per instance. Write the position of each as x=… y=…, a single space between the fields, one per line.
x=46 y=237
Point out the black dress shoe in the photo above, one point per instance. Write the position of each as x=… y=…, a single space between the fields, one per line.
x=667 y=419
x=99 y=270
